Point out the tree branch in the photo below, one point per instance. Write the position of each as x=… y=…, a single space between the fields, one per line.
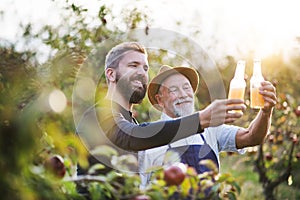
x=86 y=178
x=284 y=176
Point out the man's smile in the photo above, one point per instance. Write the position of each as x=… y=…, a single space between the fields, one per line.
x=137 y=83
x=182 y=103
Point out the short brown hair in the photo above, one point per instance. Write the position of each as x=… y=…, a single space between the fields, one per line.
x=116 y=53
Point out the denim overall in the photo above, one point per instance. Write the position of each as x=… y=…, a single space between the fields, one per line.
x=193 y=154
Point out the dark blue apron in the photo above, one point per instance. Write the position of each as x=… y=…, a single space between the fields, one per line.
x=193 y=154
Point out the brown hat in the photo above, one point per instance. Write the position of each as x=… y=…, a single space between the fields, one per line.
x=166 y=71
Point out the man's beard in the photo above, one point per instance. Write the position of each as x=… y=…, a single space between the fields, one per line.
x=185 y=109
x=132 y=94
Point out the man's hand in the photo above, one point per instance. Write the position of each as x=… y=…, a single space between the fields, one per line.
x=268 y=91
x=221 y=111
x=256 y=132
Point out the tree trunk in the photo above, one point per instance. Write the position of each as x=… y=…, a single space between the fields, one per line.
x=269 y=193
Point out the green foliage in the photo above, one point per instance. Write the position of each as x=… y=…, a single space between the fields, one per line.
x=31 y=130
x=208 y=185
x=276 y=160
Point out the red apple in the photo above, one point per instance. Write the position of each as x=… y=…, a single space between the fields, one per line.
x=298 y=155
x=55 y=164
x=268 y=156
x=271 y=138
x=295 y=140
x=174 y=175
x=297 y=111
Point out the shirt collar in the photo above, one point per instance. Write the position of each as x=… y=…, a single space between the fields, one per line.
x=164 y=116
x=127 y=114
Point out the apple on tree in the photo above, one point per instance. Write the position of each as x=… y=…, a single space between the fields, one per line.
x=55 y=164
x=297 y=111
x=175 y=174
x=268 y=156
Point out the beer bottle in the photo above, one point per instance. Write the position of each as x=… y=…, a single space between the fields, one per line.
x=238 y=83
x=256 y=99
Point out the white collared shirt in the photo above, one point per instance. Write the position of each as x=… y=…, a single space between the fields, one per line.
x=220 y=138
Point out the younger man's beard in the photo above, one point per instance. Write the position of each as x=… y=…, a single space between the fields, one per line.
x=133 y=95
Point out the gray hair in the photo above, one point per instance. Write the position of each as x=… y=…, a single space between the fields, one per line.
x=118 y=52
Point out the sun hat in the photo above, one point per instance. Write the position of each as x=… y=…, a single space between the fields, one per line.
x=166 y=71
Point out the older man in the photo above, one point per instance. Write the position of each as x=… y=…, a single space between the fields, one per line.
x=172 y=92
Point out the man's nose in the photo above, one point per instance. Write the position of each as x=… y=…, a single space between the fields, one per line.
x=182 y=93
x=141 y=71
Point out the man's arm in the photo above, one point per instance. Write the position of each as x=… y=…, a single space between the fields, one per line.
x=259 y=127
x=132 y=137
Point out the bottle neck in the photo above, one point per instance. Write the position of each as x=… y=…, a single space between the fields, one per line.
x=257 y=68
x=240 y=70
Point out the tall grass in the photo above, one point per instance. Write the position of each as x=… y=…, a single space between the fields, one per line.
x=242 y=168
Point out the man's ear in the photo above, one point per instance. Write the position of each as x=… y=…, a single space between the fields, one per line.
x=110 y=74
x=159 y=101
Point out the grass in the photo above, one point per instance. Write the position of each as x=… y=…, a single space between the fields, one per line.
x=242 y=168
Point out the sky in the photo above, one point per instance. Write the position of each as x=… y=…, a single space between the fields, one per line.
x=232 y=27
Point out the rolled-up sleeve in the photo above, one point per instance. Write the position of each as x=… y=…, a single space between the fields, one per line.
x=225 y=136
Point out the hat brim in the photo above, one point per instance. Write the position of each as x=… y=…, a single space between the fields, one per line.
x=190 y=73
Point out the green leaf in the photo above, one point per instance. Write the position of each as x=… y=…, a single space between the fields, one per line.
x=210 y=164
x=96 y=167
x=237 y=187
x=231 y=196
x=223 y=177
x=104 y=150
